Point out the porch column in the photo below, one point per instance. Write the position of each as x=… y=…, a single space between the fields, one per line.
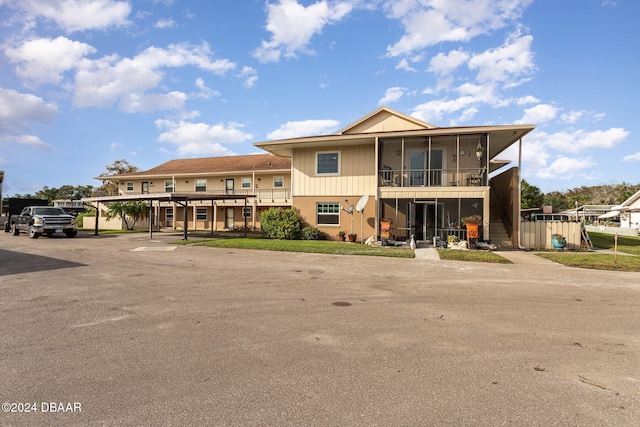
x=486 y=218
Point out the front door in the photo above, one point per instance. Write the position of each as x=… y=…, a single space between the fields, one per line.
x=145 y=188
x=229 y=220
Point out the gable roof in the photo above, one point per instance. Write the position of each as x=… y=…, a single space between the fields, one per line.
x=385 y=119
x=632 y=202
x=213 y=165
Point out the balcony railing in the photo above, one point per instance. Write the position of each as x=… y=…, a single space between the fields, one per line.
x=433 y=178
x=270 y=194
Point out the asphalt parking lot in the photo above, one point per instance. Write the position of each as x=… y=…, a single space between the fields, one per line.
x=121 y=330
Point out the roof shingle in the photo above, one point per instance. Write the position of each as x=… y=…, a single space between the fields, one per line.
x=207 y=165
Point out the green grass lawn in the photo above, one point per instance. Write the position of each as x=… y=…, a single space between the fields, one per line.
x=478 y=256
x=626 y=245
x=310 y=246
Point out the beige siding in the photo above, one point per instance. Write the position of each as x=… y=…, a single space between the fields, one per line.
x=357 y=172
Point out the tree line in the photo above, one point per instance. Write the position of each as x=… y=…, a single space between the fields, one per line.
x=605 y=194
x=77 y=192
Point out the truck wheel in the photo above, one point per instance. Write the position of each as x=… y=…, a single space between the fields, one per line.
x=32 y=233
x=71 y=233
x=14 y=230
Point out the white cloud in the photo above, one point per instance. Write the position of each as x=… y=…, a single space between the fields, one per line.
x=45 y=60
x=193 y=139
x=429 y=22
x=149 y=102
x=404 y=65
x=434 y=111
x=579 y=140
x=565 y=168
x=292 y=26
x=393 y=94
x=539 y=114
x=17 y=110
x=77 y=15
x=205 y=92
x=164 y=23
x=302 y=128
x=632 y=157
x=105 y=81
x=250 y=76
x=527 y=100
x=511 y=60
x=444 y=64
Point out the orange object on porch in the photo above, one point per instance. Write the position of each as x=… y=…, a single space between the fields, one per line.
x=385 y=228
x=472 y=231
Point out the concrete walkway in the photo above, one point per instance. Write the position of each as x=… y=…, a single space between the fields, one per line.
x=430 y=253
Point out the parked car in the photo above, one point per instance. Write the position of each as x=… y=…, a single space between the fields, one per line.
x=39 y=220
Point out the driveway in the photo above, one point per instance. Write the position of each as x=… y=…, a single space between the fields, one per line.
x=121 y=330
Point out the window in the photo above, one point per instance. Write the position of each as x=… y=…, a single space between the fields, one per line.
x=278 y=181
x=168 y=214
x=168 y=186
x=201 y=214
x=201 y=185
x=328 y=213
x=130 y=186
x=328 y=163
x=246 y=182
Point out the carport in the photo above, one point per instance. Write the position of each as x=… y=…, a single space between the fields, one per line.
x=182 y=199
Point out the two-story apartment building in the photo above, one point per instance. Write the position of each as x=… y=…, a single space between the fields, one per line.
x=215 y=191
x=421 y=178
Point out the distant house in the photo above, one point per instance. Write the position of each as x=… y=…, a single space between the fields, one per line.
x=422 y=178
x=215 y=191
x=629 y=212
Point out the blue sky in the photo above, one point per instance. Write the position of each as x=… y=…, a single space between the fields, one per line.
x=86 y=82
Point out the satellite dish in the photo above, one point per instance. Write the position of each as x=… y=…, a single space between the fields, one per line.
x=362 y=203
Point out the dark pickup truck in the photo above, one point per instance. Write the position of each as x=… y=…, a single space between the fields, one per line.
x=39 y=220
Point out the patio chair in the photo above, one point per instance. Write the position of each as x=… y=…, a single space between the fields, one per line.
x=476 y=178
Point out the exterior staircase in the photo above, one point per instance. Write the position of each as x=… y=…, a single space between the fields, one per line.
x=498 y=233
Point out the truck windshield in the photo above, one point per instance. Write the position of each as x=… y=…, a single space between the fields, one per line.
x=48 y=211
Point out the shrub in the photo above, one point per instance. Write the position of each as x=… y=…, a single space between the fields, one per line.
x=278 y=223
x=310 y=233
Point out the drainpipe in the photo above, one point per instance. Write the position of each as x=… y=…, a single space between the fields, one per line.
x=519 y=191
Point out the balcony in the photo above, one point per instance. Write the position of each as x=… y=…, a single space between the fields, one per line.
x=468 y=177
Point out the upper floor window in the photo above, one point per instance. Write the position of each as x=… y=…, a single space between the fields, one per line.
x=168 y=187
x=278 y=181
x=328 y=163
x=201 y=185
x=246 y=182
x=129 y=185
